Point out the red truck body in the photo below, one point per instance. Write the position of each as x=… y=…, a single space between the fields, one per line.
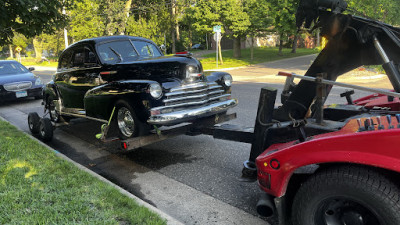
x=378 y=148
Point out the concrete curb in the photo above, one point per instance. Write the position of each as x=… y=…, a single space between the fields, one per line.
x=170 y=220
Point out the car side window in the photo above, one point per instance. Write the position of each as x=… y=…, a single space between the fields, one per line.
x=90 y=58
x=65 y=61
x=78 y=58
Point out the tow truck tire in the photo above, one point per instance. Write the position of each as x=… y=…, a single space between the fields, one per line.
x=33 y=122
x=347 y=194
x=45 y=129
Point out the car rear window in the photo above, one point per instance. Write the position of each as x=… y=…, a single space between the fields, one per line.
x=12 y=68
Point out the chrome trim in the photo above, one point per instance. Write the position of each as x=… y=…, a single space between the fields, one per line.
x=192 y=97
x=216 y=92
x=189 y=86
x=190 y=103
x=190 y=114
x=18 y=86
x=192 y=91
x=184 y=98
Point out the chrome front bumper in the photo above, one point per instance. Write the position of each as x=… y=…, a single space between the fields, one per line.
x=191 y=114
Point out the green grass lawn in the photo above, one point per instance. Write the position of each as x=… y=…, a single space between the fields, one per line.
x=263 y=54
x=37 y=187
x=30 y=61
x=45 y=63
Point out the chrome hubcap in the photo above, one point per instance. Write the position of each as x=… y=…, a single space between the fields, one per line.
x=42 y=131
x=30 y=124
x=126 y=123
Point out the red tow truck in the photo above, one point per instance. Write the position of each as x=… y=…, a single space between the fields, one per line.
x=337 y=164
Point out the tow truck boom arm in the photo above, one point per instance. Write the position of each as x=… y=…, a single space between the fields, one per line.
x=352 y=42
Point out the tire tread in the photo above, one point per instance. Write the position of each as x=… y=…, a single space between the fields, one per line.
x=363 y=178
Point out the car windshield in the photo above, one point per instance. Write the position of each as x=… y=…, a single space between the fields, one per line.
x=122 y=51
x=146 y=49
x=12 y=68
x=117 y=51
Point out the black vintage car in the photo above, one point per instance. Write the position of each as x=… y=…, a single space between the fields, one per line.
x=16 y=81
x=130 y=74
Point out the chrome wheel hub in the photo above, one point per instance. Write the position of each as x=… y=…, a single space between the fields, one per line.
x=126 y=123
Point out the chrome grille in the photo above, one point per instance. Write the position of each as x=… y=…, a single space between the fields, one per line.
x=192 y=96
x=18 y=86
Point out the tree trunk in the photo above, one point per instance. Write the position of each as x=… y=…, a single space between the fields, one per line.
x=127 y=8
x=37 y=45
x=252 y=48
x=58 y=44
x=236 y=48
x=220 y=53
x=178 y=36
x=11 y=51
x=318 y=39
x=280 y=45
x=294 y=46
x=173 y=32
x=190 y=39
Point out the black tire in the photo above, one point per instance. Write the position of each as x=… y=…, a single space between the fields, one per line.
x=33 y=122
x=45 y=129
x=347 y=195
x=127 y=123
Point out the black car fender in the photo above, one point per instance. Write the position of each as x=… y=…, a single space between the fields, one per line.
x=218 y=77
x=100 y=100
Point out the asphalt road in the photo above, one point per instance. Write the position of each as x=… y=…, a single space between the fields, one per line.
x=194 y=179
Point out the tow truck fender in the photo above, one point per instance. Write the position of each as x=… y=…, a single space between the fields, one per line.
x=373 y=148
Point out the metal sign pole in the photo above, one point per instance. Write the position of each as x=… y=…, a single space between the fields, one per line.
x=217 y=34
x=216 y=53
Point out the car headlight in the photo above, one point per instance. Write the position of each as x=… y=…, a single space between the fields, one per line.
x=155 y=90
x=192 y=72
x=38 y=81
x=227 y=80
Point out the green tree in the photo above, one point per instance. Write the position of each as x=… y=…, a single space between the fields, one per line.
x=86 y=20
x=384 y=10
x=151 y=19
x=284 y=19
x=115 y=12
x=29 y=18
x=260 y=19
x=147 y=28
x=229 y=13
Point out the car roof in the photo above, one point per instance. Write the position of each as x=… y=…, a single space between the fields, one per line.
x=8 y=61
x=97 y=40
